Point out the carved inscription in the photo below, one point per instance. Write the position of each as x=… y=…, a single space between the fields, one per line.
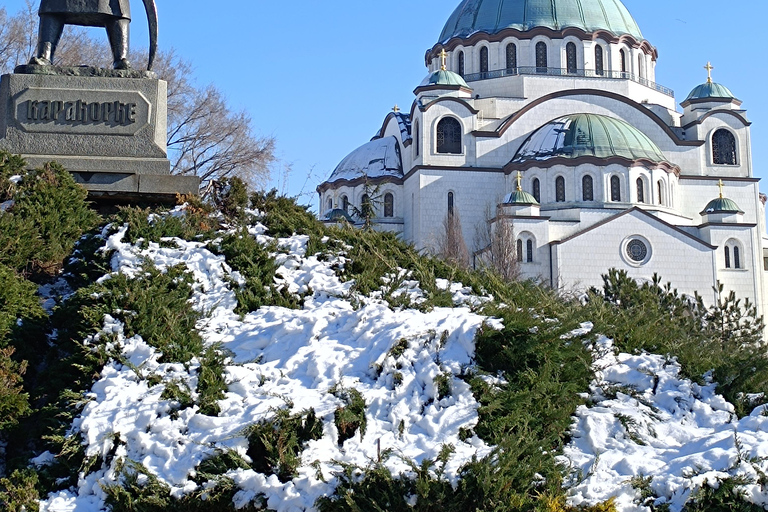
x=83 y=112
x=77 y=112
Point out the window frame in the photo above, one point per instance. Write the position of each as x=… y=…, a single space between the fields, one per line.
x=587 y=197
x=560 y=192
x=717 y=150
x=536 y=189
x=389 y=205
x=541 y=50
x=571 y=58
x=599 y=60
x=484 y=59
x=640 y=190
x=513 y=54
x=615 y=182
x=444 y=121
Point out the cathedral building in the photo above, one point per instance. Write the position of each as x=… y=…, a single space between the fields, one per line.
x=544 y=116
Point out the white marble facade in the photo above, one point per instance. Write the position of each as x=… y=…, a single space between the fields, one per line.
x=645 y=212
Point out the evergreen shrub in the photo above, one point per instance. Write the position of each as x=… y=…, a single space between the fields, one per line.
x=46 y=216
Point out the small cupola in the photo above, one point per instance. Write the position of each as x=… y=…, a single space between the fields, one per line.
x=710 y=95
x=722 y=209
x=520 y=202
x=444 y=82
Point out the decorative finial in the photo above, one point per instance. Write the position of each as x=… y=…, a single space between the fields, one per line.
x=721 y=185
x=709 y=67
x=519 y=181
x=443 y=59
x=395 y=109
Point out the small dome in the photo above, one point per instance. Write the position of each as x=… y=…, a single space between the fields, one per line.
x=375 y=159
x=710 y=91
x=336 y=215
x=520 y=197
x=493 y=16
x=722 y=205
x=445 y=77
x=579 y=135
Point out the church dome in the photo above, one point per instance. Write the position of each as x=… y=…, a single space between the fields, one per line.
x=722 y=205
x=493 y=16
x=710 y=91
x=376 y=159
x=520 y=197
x=446 y=78
x=580 y=135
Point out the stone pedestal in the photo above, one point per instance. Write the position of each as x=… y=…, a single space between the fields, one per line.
x=109 y=132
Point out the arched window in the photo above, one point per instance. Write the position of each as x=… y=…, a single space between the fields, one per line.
x=537 y=189
x=615 y=188
x=599 y=66
x=449 y=136
x=560 y=189
x=461 y=63
x=484 y=59
x=529 y=251
x=345 y=203
x=587 y=188
x=570 y=58
x=450 y=203
x=640 y=66
x=365 y=201
x=329 y=204
x=519 y=250
x=541 y=57
x=723 y=148
x=623 y=56
x=640 y=191
x=660 y=191
x=511 y=58
x=732 y=251
x=389 y=205
x=416 y=139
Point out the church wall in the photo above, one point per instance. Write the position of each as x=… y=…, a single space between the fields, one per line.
x=476 y=195
x=697 y=193
x=687 y=264
x=536 y=230
x=431 y=118
x=744 y=281
x=706 y=130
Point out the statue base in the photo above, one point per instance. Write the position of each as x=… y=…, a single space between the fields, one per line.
x=109 y=132
x=83 y=71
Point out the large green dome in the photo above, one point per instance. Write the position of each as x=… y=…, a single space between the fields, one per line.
x=594 y=135
x=493 y=16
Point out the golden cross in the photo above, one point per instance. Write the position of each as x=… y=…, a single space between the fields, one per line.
x=721 y=185
x=709 y=67
x=443 y=59
x=519 y=181
x=395 y=109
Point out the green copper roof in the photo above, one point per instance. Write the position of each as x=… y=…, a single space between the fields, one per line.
x=722 y=205
x=710 y=90
x=337 y=215
x=520 y=197
x=444 y=77
x=493 y=16
x=595 y=135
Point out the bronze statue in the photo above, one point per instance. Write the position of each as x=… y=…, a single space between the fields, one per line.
x=114 y=15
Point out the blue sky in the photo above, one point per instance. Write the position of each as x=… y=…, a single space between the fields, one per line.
x=321 y=76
